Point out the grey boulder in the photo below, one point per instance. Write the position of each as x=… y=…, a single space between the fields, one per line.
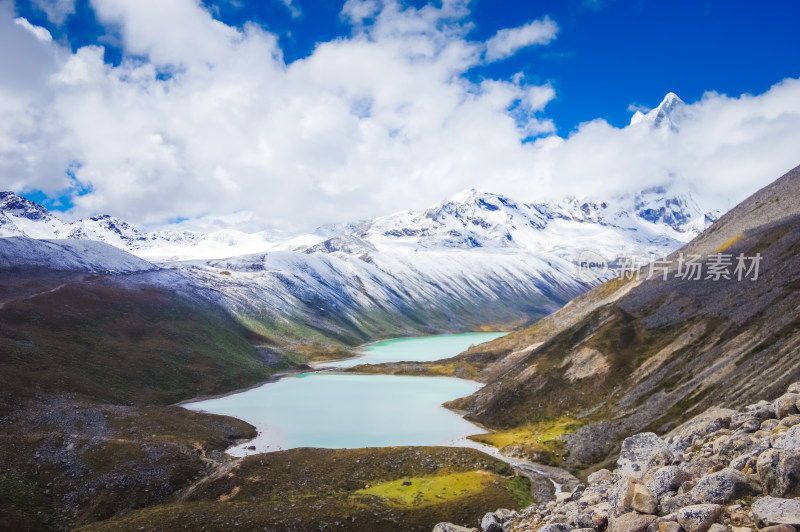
x=666 y=479
x=631 y=522
x=699 y=517
x=640 y=452
x=450 y=527
x=790 y=440
x=779 y=471
x=775 y=511
x=725 y=486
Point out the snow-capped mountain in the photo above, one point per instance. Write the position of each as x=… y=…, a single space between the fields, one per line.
x=650 y=222
x=477 y=259
x=661 y=116
x=22 y=217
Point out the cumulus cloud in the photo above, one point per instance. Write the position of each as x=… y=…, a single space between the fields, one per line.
x=507 y=41
x=363 y=126
x=201 y=120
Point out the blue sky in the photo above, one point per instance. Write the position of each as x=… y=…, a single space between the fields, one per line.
x=603 y=59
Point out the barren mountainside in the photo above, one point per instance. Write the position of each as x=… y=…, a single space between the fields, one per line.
x=644 y=354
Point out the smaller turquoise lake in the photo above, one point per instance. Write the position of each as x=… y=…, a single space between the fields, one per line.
x=419 y=349
x=333 y=410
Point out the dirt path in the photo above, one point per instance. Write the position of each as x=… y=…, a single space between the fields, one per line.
x=221 y=471
x=37 y=294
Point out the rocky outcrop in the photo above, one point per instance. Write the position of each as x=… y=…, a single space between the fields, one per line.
x=724 y=470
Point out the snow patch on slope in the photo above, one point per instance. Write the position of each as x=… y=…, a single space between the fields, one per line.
x=21 y=253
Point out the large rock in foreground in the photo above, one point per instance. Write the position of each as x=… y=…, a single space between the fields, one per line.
x=774 y=511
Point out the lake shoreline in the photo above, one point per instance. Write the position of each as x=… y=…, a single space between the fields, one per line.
x=271 y=410
x=271 y=379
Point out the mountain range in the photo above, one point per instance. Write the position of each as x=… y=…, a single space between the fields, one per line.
x=477 y=260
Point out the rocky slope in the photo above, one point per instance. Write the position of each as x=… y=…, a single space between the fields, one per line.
x=643 y=353
x=725 y=470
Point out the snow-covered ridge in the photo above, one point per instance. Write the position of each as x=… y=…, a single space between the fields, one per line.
x=22 y=217
x=26 y=254
x=650 y=222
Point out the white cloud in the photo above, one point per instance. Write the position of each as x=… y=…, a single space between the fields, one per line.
x=724 y=149
x=507 y=41
x=39 y=32
x=57 y=11
x=177 y=33
x=374 y=123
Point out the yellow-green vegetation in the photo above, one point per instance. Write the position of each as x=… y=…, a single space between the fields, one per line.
x=540 y=442
x=319 y=352
x=421 y=491
x=452 y=368
x=360 y=489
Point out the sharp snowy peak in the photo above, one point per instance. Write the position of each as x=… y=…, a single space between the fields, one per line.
x=104 y=228
x=22 y=217
x=662 y=116
x=469 y=220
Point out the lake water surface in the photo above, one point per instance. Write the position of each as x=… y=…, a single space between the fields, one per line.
x=332 y=410
x=425 y=348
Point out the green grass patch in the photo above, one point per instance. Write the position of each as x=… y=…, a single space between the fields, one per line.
x=520 y=489
x=420 y=491
x=539 y=441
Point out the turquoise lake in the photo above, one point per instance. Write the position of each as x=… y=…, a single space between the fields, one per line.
x=331 y=410
x=420 y=349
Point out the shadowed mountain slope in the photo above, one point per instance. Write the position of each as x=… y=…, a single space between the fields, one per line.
x=89 y=361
